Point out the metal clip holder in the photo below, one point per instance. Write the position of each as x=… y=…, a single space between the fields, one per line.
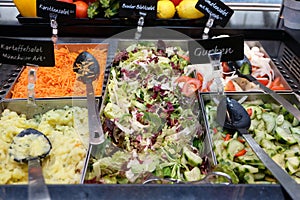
x=140 y=25
x=208 y=26
x=31 y=84
x=54 y=24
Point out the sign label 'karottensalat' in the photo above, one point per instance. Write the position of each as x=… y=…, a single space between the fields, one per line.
x=24 y=52
x=61 y=9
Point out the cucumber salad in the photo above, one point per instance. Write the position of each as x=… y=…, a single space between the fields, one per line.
x=273 y=128
x=149 y=125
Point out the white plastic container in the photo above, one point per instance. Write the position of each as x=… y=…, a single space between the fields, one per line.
x=291 y=14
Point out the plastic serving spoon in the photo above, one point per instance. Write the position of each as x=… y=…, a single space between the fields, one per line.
x=237 y=118
x=88 y=70
x=236 y=66
x=31 y=146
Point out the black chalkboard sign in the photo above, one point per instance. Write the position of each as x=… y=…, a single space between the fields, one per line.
x=131 y=9
x=232 y=49
x=61 y=9
x=24 y=52
x=216 y=9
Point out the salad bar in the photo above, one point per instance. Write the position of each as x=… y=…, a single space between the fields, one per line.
x=159 y=115
x=158 y=132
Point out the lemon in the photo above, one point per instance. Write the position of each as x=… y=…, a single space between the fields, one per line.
x=165 y=9
x=186 y=10
x=27 y=8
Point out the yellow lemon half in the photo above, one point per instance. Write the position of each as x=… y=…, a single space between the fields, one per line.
x=186 y=10
x=165 y=9
x=27 y=8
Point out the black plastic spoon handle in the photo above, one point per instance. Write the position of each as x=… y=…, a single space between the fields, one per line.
x=286 y=104
x=286 y=181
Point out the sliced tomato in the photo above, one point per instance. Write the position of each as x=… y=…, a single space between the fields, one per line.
x=182 y=79
x=187 y=58
x=215 y=130
x=200 y=77
x=190 y=87
x=207 y=89
x=229 y=86
x=226 y=67
x=276 y=82
x=263 y=81
x=277 y=87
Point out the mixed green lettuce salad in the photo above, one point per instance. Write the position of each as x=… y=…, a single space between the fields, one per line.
x=149 y=125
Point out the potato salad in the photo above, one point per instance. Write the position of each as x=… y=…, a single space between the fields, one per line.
x=67 y=130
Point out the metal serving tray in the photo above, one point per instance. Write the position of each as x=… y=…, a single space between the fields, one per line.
x=41 y=106
x=112 y=148
x=72 y=47
x=277 y=73
x=212 y=126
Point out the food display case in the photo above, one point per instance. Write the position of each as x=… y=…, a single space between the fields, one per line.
x=275 y=42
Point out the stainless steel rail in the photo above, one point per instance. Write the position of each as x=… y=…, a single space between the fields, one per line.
x=254 y=6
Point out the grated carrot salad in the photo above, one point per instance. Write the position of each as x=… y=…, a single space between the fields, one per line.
x=60 y=80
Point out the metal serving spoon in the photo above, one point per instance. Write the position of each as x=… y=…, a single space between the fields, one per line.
x=236 y=66
x=232 y=115
x=88 y=70
x=31 y=146
x=209 y=178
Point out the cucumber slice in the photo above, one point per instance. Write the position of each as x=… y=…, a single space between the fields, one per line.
x=191 y=158
x=271 y=152
x=294 y=162
x=295 y=121
x=193 y=175
x=283 y=137
x=267 y=144
x=233 y=147
x=269 y=120
x=279 y=159
x=249 y=178
x=291 y=153
x=257 y=125
x=218 y=147
x=289 y=168
x=247 y=169
x=295 y=130
x=259 y=176
x=249 y=157
x=286 y=126
x=259 y=135
x=297 y=138
x=280 y=119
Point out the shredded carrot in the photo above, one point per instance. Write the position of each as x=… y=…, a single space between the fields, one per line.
x=60 y=80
